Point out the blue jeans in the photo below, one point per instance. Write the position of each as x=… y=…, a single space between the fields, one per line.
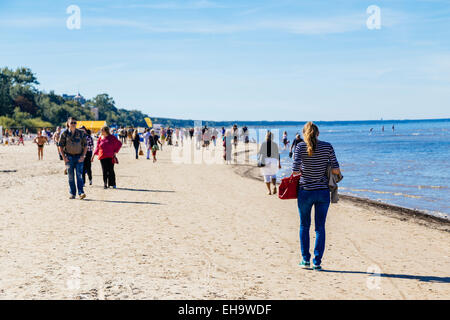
x=75 y=167
x=320 y=199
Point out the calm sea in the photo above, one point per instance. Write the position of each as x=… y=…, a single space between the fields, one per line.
x=409 y=167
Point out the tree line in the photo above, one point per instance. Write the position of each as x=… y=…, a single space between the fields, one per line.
x=23 y=105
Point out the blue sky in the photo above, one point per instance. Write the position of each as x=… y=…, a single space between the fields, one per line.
x=240 y=60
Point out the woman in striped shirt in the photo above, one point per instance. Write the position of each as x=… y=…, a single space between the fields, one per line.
x=311 y=160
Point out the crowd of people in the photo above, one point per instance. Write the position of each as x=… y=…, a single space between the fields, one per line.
x=77 y=147
x=18 y=136
x=312 y=161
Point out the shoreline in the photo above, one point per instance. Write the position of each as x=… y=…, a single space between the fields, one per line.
x=421 y=217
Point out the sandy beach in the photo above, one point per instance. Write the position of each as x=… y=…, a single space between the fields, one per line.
x=198 y=231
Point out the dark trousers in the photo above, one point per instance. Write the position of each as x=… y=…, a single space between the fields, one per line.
x=136 y=148
x=87 y=166
x=109 y=177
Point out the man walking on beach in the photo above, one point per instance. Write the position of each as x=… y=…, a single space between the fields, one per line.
x=296 y=141
x=73 y=148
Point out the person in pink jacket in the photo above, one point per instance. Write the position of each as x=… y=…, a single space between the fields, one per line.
x=107 y=148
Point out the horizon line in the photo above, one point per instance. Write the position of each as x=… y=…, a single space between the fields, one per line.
x=303 y=121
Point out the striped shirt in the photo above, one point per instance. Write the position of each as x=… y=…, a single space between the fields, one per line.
x=314 y=168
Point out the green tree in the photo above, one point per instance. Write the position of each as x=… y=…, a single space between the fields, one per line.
x=6 y=102
x=106 y=107
x=7 y=122
x=23 y=76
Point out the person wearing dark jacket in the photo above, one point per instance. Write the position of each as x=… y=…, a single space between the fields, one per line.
x=296 y=141
x=136 y=142
x=153 y=141
x=87 y=160
x=73 y=148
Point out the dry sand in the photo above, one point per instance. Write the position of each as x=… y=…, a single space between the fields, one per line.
x=197 y=232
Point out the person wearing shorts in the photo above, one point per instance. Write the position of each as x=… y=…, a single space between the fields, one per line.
x=153 y=141
x=269 y=155
x=40 y=140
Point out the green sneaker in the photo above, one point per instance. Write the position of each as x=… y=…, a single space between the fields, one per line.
x=317 y=267
x=305 y=264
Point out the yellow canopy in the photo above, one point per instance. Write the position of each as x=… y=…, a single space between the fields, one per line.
x=149 y=122
x=94 y=126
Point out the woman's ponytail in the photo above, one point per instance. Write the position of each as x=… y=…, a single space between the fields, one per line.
x=310 y=132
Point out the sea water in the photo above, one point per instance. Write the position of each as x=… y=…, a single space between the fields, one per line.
x=408 y=166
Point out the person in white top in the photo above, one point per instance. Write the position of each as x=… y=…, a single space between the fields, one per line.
x=146 y=141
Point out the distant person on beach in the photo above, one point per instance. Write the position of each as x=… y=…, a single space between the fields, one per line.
x=285 y=141
x=245 y=134
x=227 y=147
x=214 y=136
x=107 y=148
x=163 y=137
x=87 y=170
x=296 y=141
x=20 y=139
x=169 y=136
x=56 y=137
x=153 y=141
x=136 y=142
x=311 y=160
x=206 y=137
x=120 y=133
x=146 y=137
x=6 y=137
x=269 y=155
x=40 y=140
x=46 y=133
x=73 y=147
x=235 y=133
x=123 y=135
x=130 y=136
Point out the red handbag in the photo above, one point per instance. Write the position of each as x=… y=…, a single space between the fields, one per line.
x=288 y=188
